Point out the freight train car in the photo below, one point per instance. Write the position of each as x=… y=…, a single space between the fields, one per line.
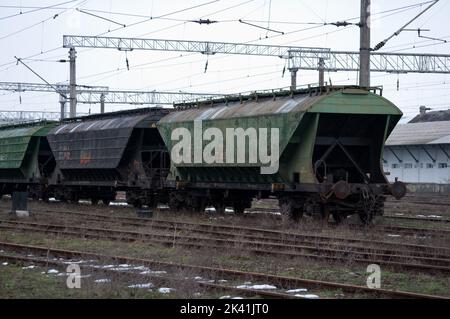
x=326 y=159
x=98 y=155
x=26 y=161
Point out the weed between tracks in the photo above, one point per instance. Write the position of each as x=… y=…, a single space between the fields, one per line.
x=303 y=268
x=235 y=257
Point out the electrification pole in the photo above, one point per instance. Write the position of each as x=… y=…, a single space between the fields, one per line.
x=321 y=72
x=102 y=103
x=294 y=79
x=73 y=83
x=62 y=102
x=364 y=51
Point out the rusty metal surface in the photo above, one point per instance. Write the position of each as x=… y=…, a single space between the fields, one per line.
x=252 y=108
x=98 y=142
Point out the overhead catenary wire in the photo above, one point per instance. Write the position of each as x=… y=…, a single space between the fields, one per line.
x=317 y=35
x=35 y=9
x=38 y=23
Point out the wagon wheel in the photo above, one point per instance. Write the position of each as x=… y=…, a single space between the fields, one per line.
x=290 y=213
x=366 y=218
x=220 y=208
x=137 y=204
x=337 y=217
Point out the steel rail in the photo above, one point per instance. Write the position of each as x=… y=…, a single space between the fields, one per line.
x=429 y=251
x=292 y=281
x=434 y=264
x=284 y=235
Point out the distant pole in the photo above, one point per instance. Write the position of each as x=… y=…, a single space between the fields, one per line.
x=364 y=51
x=62 y=102
x=102 y=103
x=73 y=83
x=321 y=72
x=293 y=79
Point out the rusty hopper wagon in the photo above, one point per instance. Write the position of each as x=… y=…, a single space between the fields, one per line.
x=98 y=155
x=330 y=149
x=26 y=160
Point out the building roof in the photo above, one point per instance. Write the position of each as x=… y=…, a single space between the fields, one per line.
x=435 y=116
x=421 y=133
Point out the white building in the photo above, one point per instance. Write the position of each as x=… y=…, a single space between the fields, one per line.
x=419 y=153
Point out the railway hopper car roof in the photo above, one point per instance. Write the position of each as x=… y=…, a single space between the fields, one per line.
x=336 y=100
x=98 y=142
x=15 y=141
x=284 y=110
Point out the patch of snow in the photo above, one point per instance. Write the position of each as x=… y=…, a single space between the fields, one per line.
x=198 y=278
x=435 y=216
x=257 y=287
x=421 y=216
x=52 y=271
x=121 y=269
x=223 y=280
x=237 y=298
x=197 y=294
x=29 y=267
x=118 y=204
x=153 y=272
x=5 y=264
x=165 y=290
x=107 y=266
x=100 y=281
x=141 y=286
x=294 y=291
x=399 y=214
x=393 y=235
x=208 y=281
x=308 y=296
x=73 y=262
x=225 y=297
x=141 y=268
x=124 y=265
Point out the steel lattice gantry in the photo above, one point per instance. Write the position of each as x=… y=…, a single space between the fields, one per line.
x=140 y=97
x=13 y=117
x=95 y=94
x=205 y=47
x=102 y=94
x=300 y=58
x=379 y=62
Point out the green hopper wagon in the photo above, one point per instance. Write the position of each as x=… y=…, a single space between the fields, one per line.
x=25 y=157
x=330 y=144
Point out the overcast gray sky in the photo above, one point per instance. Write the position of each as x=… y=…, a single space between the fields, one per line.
x=29 y=34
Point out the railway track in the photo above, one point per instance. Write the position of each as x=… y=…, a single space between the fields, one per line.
x=46 y=253
x=415 y=218
x=402 y=229
x=226 y=231
x=45 y=262
x=424 y=262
